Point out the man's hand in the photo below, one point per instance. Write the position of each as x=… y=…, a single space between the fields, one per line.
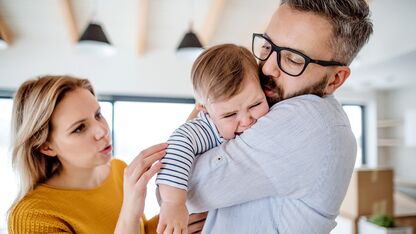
x=196 y=222
x=173 y=219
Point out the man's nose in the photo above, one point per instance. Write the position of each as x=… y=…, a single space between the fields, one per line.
x=270 y=67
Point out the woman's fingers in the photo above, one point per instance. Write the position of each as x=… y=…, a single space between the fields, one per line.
x=145 y=159
x=146 y=176
x=148 y=152
x=146 y=164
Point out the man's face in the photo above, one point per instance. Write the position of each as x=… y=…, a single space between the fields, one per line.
x=307 y=33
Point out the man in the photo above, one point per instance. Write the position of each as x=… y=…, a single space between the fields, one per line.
x=290 y=171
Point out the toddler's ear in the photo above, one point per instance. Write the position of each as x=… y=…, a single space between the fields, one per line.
x=201 y=107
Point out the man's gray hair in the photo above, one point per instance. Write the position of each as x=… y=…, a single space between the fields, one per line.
x=351 y=23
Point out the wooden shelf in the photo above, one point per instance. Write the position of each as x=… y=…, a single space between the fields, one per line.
x=388 y=123
x=388 y=142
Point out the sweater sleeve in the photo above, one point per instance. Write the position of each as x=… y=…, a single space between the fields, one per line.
x=24 y=219
x=191 y=139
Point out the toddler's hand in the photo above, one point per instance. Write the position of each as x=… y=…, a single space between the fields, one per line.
x=173 y=218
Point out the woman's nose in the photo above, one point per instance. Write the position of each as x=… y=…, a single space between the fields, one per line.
x=101 y=130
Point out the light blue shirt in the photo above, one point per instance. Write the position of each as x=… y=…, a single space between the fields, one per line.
x=287 y=174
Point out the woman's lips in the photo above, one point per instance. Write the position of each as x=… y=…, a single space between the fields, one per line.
x=107 y=149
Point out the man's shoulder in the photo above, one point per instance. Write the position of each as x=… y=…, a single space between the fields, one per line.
x=307 y=99
x=309 y=109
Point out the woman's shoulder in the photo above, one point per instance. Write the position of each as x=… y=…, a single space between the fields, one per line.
x=118 y=164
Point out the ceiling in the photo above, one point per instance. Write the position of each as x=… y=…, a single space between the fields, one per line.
x=142 y=27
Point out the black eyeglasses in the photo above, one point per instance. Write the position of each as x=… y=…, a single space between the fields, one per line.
x=290 y=61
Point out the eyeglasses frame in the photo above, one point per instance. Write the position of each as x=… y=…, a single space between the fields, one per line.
x=277 y=49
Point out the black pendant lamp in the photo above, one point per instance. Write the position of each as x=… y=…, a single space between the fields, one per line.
x=190 y=46
x=94 y=40
x=3 y=43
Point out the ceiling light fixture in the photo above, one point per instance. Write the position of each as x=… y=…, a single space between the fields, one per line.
x=94 y=40
x=190 y=46
x=3 y=43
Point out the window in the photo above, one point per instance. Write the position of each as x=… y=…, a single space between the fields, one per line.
x=355 y=114
x=142 y=124
x=8 y=181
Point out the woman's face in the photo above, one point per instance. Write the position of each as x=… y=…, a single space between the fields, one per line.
x=79 y=136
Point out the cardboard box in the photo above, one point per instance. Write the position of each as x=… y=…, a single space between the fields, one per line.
x=366 y=227
x=370 y=192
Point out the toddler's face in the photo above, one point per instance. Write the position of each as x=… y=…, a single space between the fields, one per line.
x=235 y=115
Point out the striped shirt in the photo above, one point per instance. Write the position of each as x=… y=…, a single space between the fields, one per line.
x=184 y=145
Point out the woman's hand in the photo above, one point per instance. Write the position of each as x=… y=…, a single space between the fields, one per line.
x=136 y=177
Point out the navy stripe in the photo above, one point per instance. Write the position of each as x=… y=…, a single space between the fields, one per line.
x=174 y=182
x=178 y=159
x=174 y=165
x=179 y=172
x=170 y=175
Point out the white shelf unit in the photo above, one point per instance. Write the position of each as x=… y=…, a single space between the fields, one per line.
x=386 y=140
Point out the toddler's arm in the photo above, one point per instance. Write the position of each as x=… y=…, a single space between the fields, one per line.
x=173 y=215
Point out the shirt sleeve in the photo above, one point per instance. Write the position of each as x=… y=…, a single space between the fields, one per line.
x=188 y=141
x=283 y=154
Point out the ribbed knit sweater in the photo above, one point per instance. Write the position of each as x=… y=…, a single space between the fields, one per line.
x=52 y=210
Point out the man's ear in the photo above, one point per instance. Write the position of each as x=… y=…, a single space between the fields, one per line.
x=201 y=107
x=337 y=79
x=47 y=150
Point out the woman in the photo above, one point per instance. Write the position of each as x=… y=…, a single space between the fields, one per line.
x=70 y=182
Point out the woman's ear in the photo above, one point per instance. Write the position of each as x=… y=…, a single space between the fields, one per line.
x=201 y=107
x=47 y=150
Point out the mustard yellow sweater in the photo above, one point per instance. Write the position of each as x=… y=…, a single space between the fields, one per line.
x=52 y=210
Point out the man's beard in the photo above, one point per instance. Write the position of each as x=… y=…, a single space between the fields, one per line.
x=268 y=83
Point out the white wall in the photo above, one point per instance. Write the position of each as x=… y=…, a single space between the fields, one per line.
x=156 y=74
x=393 y=105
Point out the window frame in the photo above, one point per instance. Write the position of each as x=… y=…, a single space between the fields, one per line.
x=363 y=130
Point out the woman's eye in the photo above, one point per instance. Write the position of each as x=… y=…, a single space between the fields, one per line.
x=98 y=115
x=79 y=129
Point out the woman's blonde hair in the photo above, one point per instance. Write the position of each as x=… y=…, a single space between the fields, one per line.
x=33 y=105
x=220 y=72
